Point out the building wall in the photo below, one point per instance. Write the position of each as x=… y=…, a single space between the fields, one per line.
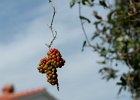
x=43 y=95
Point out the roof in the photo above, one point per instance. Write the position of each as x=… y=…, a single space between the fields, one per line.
x=36 y=94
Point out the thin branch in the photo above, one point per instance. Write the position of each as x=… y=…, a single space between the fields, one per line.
x=54 y=37
x=54 y=12
x=82 y=25
x=54 y=33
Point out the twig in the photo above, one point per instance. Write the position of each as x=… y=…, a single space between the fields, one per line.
x=54 y=37
x=54 y=33
x=82 y=25
x=54 y=12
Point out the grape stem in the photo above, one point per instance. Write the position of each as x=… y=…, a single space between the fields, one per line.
x=58 y=86
x=54 y=33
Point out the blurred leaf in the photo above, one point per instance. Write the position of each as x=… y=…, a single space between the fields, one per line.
x=96 y=15
x=72 y=3
x=97 y=22
x=84 y=18
x=84 y=2
x=120 y=39
x=103 y=53
x=108 y=72
x=120 y=90
x=122 y=81
x=84 y=44
x=96 y=34
x=103 y=3
x=101 y=62
x=119 y=83
x=87 y=2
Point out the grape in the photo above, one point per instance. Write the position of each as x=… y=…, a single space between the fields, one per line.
x=50 y=64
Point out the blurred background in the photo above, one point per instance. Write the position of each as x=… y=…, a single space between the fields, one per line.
x=23 y=35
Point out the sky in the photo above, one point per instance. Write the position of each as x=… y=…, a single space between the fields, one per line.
x=23 y=34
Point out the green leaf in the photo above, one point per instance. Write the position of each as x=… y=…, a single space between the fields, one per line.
x=72 y=3
x=120 y=90
x=97 y=22
x=119 y=83
x=95 y=35
x=103 y=52
x=101 y=62
x=84 y=18
x=123 y=81
x=87 y=2
x=108 y=72
x=84 y=44
x=120 y=39
x=96 y=15
x=103 y=3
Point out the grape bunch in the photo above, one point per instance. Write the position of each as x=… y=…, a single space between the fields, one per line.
x=50 y=64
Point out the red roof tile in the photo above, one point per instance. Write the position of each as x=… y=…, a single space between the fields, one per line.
x=14 y=96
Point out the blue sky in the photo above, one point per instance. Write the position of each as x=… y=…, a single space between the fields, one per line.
x=23 y=34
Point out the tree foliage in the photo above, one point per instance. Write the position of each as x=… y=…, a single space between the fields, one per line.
x=117 y=39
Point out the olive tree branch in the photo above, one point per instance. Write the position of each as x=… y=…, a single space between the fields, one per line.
x=82 y=26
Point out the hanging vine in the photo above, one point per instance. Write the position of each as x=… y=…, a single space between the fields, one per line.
x=53 y=32
x=49 y=64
